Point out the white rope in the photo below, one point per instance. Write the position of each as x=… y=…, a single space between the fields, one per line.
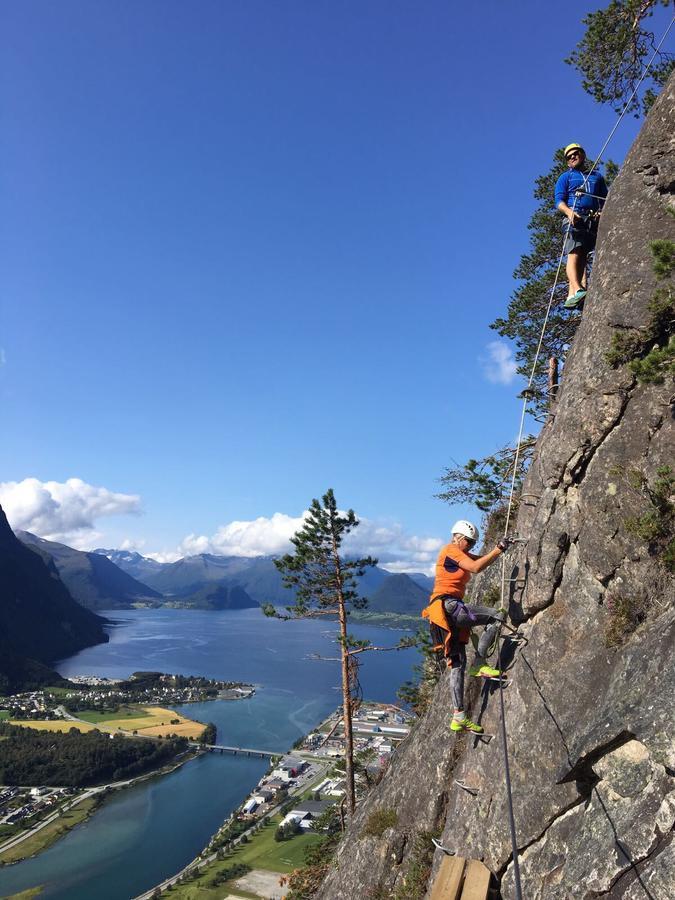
x=516 y=460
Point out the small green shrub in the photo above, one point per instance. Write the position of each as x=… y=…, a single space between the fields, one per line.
x=646 y=527
x=378 y=822
x=668 y=557
x=656 y=365
x=624 y=616
x=623 y=348
x=492 y=597
x=413 y=885
x=655 y=526
x=650 y=350
x=663 y=252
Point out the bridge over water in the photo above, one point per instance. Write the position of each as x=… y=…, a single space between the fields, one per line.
x=239 y=751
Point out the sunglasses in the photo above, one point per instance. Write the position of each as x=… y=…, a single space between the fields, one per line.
x=572 y=155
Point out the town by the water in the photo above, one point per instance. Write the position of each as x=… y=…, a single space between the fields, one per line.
x=292 y=805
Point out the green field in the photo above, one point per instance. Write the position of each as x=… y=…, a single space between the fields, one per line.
x=59 y=691
x=25 y=895
x=4 y=714
x=261 y=852
x=108 y=715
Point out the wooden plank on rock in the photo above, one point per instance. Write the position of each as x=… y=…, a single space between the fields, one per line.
x=448 y=882
x=476 y=882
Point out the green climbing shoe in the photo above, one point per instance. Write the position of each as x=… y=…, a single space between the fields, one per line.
x=465 y=724
x=485 y=672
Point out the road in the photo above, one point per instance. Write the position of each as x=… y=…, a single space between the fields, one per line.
x=12 y=842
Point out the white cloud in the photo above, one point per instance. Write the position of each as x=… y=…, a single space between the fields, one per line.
x=132 y=544
x=68 y=512
x=256 y=537
x=499 y=367
x=63 y=511
x=388 y=542
x=163 y=556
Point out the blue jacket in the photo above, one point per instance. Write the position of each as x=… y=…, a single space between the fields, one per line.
x=572 y=179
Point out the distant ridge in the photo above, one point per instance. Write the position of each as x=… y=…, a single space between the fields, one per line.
x=131 y=562
x=191 y=581
x=92 y=579
x=39 y=620
x=399 y=594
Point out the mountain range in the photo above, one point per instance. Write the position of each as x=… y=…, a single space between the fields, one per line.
x=190 y=582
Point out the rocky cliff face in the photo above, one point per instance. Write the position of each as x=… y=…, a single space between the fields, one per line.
x=39 y=620
x=590 y=705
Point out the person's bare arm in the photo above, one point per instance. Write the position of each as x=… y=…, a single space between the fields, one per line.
x=477 y=564
x=567 y=211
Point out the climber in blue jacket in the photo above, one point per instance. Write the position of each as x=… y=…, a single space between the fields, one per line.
x=580 y=197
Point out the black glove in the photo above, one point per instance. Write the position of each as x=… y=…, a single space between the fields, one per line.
x=504 y=544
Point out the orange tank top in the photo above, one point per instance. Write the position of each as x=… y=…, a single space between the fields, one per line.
x=450 y=577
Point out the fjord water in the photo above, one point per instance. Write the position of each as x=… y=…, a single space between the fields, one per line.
x=144 y=834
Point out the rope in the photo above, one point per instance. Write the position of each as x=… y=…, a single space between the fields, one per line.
x=516 y=460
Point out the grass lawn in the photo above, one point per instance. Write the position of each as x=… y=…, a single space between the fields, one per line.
x=59 y=691
x=4 y=714
x=26 y=895
x=261 y=852
x=51 y=724
x=197 y=890
x=50 y=833
x=124 y=712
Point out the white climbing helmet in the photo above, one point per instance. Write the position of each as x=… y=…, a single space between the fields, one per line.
x=467 y=529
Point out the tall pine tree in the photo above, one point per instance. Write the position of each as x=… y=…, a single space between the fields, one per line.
x=325 y=583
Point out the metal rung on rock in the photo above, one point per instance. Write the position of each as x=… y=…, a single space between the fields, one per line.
x=466 y=787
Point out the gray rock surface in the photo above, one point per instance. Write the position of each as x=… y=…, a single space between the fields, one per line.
x=590 y=726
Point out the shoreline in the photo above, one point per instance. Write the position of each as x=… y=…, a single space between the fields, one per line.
x=101 y=793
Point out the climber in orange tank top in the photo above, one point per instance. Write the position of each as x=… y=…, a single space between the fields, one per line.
x=451 y=620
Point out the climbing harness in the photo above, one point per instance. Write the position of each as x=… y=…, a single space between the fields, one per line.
x=516 y=460
x=442 y=629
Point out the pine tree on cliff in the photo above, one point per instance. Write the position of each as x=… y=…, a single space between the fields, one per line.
x=324 y=582
x=614 y=50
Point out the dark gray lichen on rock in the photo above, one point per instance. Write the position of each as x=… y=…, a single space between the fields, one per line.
x=590 y=724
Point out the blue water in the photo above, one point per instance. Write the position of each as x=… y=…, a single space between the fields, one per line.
x=142 y=835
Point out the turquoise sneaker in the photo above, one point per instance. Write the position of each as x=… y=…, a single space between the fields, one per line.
x=575 y=300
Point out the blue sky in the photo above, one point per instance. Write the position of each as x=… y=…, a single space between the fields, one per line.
x=251 y=250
